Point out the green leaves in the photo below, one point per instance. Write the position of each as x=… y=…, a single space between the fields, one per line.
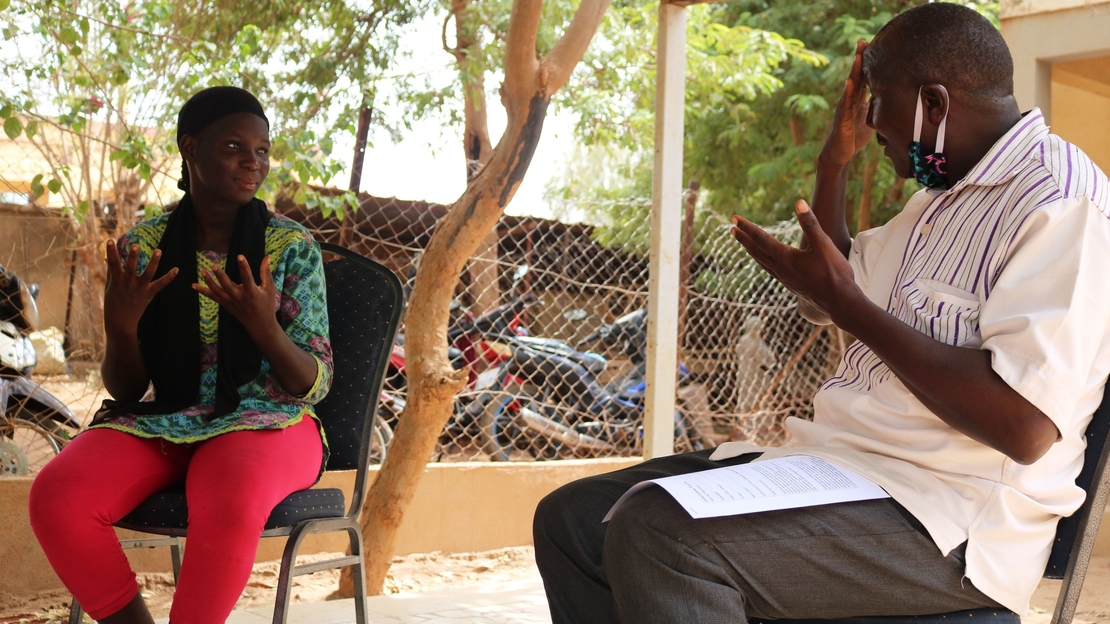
x=13 y=127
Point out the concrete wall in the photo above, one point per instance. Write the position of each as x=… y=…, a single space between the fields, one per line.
x=1038 y=40
x=35 y=244
x=1081 y=106
x=458 y=508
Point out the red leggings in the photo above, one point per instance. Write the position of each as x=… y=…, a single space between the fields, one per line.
x=232 y=483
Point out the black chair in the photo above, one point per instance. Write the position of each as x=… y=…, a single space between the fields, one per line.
x=365 y=303
x=1071 y=552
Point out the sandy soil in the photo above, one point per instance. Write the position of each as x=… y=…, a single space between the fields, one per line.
x=425 y=572
x=409 y=574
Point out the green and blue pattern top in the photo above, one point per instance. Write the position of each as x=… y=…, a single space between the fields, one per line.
x=298 y=273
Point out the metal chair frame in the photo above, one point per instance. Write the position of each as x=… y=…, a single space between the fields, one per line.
x=297 y=533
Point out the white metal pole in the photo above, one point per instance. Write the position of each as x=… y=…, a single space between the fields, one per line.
x=666 y=232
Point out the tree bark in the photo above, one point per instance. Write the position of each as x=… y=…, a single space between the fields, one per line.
x=527 y=90
x=690 y=201
x=797 y=133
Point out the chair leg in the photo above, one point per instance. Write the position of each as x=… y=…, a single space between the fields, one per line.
x=177 y=549
x=358 y=575
x=285 y=574
x=75 y=612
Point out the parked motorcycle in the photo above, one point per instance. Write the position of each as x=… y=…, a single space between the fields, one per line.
x=34 y=423
x=477 y=342
x=550 y=403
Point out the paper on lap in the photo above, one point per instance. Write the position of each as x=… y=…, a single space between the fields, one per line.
x=782 y=483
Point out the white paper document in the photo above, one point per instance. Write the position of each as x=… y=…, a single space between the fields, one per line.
x=781 y=483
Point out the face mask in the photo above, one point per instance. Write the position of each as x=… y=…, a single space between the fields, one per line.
x=931 y=170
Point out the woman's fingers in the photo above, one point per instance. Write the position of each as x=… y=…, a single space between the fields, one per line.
x=246 y=276
x=267 y=278
x=152 y=266
x=131 y=269
x=111 y=256
x=160 y=283
x=223 y=280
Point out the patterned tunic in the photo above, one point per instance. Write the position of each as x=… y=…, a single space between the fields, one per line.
x=298 y=273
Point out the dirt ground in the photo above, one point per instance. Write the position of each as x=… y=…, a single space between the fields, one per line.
x=408 y=574
x=425 y=572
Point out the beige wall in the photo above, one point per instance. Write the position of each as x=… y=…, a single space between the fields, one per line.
x=1018 y=8
x=35 y=244
x=1081 y=106
x=1037 y=41
x=458 y=508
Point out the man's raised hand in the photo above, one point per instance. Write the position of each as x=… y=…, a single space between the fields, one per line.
x=818 y=272
x=850 y=132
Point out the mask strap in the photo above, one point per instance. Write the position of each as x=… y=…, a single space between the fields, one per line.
x=940 y=129
x=917 y=117
x=943 y=120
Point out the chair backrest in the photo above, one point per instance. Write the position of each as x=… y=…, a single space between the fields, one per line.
x=365 y=304
x=1093 y=479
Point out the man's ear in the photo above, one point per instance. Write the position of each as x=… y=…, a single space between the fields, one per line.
x=935 y=102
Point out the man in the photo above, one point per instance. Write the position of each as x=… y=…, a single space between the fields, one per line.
x=983 y=348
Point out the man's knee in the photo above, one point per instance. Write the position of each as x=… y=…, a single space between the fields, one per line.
x=555 y=511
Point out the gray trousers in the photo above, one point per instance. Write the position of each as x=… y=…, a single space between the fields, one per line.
x=653 y=563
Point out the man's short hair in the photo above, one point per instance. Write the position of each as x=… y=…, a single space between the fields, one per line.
x=944 y=43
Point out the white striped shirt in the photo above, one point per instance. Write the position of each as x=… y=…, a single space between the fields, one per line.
x=1013 y=259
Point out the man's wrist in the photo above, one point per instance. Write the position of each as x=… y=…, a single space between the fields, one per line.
x=853 y=311
x=827 y=165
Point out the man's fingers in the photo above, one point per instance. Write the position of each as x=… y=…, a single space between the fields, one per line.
x=811 y=227
x=761 y=240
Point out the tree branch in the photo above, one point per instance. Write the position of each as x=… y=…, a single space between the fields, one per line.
x=443 y=38
x=560 y=62
x=521 y=64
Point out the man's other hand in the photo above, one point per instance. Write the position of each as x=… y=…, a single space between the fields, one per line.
x=818 y=272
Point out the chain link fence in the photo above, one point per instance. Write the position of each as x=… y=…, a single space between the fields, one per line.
x=549 y=317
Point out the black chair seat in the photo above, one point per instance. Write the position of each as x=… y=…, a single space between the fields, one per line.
x=994 y=616
x=167 y=509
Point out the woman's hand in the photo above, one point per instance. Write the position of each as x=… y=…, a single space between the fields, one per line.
x=252 y=304
x=850 y=132
x=128 y=294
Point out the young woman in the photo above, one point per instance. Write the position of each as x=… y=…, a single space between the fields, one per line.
x=220 y=305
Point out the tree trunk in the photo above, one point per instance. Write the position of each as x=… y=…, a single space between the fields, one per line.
x=691 y=201
x=527 y=90
x=797 y=133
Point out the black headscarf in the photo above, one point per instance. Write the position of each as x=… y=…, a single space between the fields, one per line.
x=169 y=330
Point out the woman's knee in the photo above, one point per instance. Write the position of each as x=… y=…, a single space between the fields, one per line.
x=52 y=498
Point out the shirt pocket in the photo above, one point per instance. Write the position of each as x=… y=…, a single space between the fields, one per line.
x=944 y=312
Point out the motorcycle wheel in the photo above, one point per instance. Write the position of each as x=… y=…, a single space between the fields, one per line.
x=503 y=436
x=380 y=439
x=25 y=446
